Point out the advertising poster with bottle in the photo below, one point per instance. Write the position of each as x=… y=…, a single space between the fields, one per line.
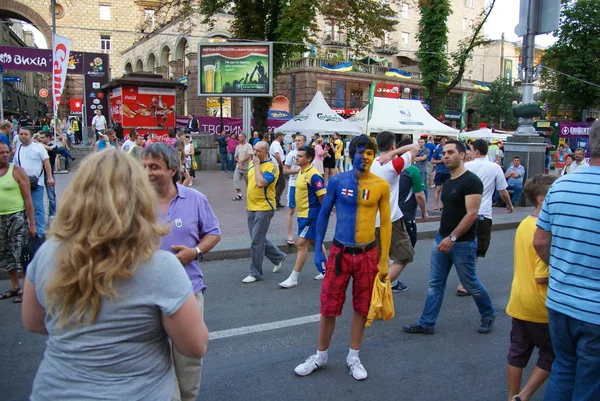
x=147 y=107
x=235 y=69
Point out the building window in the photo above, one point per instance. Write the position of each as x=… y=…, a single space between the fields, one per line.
x=332 y=31
x=467 y=3
x=149 y=17
x=104 y=43
x=404 y=10
x=405 y=40
x=464 y=24
x=105 y=13
x=471 y=26
x=472 y=3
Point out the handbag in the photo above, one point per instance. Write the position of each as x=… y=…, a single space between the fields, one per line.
x=30 y=247
x=194 y=165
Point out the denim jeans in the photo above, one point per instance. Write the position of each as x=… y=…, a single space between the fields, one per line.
x=37 y=196
x=517 y=189
x=230 y=161
x=223 y=161
x=575 y=370
x=463 y=256
x=64 y=152
x=51 y=193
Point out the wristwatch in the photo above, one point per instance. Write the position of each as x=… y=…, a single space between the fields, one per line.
x=452 y=238
x=198 y=253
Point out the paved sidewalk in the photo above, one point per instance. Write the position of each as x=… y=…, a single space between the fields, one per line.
x=235 y=242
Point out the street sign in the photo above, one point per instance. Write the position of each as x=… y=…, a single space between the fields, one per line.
x=9 y=78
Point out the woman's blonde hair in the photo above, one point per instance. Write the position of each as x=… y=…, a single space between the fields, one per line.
x=106 y=225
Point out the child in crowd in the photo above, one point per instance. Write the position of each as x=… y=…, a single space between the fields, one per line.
x=527 y=303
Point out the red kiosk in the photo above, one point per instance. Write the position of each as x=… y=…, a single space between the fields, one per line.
x=143 y=101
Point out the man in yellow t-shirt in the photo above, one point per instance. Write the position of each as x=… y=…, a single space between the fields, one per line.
x=527 y=303
x=262 y=178
x=339 y=148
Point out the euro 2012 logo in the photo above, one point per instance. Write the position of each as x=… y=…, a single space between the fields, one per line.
x=96 y=64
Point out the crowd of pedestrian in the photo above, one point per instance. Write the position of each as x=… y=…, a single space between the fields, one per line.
x=108 y=274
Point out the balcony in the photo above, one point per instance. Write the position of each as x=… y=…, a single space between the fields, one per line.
x=337 y=39
x=150 y=4
x=386 y=48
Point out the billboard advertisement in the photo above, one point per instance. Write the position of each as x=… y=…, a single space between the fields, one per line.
x=387 y=90
x=576 y=134
x=144 y=107
x=95 y=74
x=235 y=69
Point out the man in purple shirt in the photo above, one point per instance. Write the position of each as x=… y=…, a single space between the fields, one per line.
x=194 y=231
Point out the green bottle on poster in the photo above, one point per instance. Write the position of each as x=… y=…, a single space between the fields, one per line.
x=218 y=78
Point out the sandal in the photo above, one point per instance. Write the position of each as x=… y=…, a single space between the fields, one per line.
x=18 y=300
x=10 y=293
x=462 y=293
x=237 y=198
x=290 y=242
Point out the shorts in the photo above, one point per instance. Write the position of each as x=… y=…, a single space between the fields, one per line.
x=411 y=230
x=440 y=178
x=401 y=249
x=362 y=267
x=524 y=337
x=239 y=177
x=484 y=235
x=12 y=233
x=307 y=227
x=291 y=197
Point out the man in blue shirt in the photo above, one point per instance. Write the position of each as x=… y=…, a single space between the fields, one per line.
x=442 y=174
x=567 y=238
x=5 y=128
x=514 y=179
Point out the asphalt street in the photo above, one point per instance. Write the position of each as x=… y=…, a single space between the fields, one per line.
x=261 y=332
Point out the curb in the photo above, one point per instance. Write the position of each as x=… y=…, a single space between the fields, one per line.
x=227 y=254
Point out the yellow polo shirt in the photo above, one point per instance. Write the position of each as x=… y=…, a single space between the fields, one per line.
x=309 y=186
x=338 y=148
x=262 y=199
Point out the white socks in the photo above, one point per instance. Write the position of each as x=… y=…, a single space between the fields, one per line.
x=352 y=354
x=294 y=275
x=322 y=356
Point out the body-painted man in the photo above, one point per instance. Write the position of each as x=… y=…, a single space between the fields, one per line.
x=357 y=196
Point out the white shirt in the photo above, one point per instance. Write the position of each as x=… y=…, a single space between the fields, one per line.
x=574 y=166
x=128 y=143
x=276 y=148
x=99 y=122
x=492 y=177
x=390 y=174
x=31 y=158
x=290 y=161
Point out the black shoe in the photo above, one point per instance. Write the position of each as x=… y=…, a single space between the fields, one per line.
x=486 y=325
x=73 y=158
x=279 y=206
x=417 y=328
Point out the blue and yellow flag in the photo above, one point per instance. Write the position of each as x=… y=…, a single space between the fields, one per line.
x=484 y=86
x=395 y=72
x=341 y=67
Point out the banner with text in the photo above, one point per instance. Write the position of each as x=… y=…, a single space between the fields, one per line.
x=61 y=47
x=230 y=125
x=94 y=68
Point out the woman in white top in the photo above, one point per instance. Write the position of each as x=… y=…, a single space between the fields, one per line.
x=189 y=154
x=104 y=293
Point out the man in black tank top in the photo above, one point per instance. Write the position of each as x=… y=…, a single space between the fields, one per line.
x=456 y=243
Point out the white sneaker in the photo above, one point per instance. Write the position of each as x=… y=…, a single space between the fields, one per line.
x=319 y=276
x=277 y=267
x=289 y=283
x=357 y=370
x=249 y=279
x=309 y=366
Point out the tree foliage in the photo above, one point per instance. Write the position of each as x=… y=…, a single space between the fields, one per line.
x=576 y=53
x=495 y=107
x=291 y=24
x=440 y=75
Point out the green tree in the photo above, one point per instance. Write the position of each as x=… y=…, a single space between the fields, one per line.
x=495 y=106
x=288 y=23
x=440 y=75
x=576 y=53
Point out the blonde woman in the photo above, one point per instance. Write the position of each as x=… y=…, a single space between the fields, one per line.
x=106 y=296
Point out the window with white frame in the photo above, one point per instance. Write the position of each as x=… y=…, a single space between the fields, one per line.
x=472 y=3
x=465 y=24
x=405 y=40
x=332 y=31
x=405 y=10
x=105 y=43
x=471 y=26
x=105 y=13
x=149 y=17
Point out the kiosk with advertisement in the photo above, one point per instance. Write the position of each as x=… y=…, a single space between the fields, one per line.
x=143 y=101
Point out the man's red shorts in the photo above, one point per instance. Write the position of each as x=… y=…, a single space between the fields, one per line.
x=362 y=267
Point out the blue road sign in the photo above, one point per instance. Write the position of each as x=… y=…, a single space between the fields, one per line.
x=8 y=78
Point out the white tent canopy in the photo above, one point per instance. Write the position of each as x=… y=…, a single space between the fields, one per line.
x=401 y=116
x=318 y=117
x=484 y=133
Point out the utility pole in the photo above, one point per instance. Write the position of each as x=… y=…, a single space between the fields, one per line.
x=502 y=56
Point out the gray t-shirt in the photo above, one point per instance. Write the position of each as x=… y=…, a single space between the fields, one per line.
x=125 y=354
x=422 y=165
